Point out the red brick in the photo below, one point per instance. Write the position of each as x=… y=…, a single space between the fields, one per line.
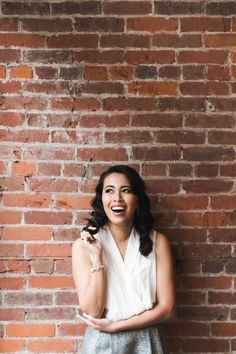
x=155 y=88
x=217 y=72
x=208 y=154
x=9 y=55
x=73 y=41
x=208 y=345
x=104 y=120
x=43 y=266
x=152 y=24
x=21 y=72
x=222 y=297
x=47 y=218
x=206 y=170
x=118 y=72
x=209 y=121
x=10 y=217
x=207 y=56
x=22 y=40
x=30 y=330
x=9 y=24
x=183 y=328
x=72 y=329
x=53 y=345
x=2 y=72
x=204 y=251
x=63 y=266
x=77 y=104
x=51 y=282
x=45 y=72
x=73 y=202
x=150 y=57
x=134 y=137
x=47 y=185
x=102 y=154
x=177 y=41
x=204 y=88
x=222 y=137
x=12 y=345
x=223 y=202
x=183 y=202
x=49 y=169
x=27 y=233
x=27 y=200
x=23 y=298
x=220 y=40
x=49 y=250
x=228 y=170
x=66 y=298
x=10 y=314
x=21 y=168
x=18 y=266
x=205 y=24
x=49 y=153
x=205 y=219
x=10 y=87
x=95 y=73
x=167 y=120
x=12 y=283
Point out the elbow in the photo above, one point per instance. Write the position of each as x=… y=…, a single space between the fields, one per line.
x=168 y=311
x=93 y=312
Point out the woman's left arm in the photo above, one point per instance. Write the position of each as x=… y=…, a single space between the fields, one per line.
x=163 y=310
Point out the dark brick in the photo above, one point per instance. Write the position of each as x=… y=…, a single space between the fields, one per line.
x=124 y=41
x=48 y=57
x=54 y=25
x=208 y=154
x=181 y=104
x=222 y=8
x=146 y=72
x=79 y=7
x=46 y=72
x=70 y=73
x=127 y=7
x=100 y=57
x=169 y=72
x=194 y=72
x=92 y=24
x=176 y=41
x=179 y=7
x=25 y=8
x=9 y=55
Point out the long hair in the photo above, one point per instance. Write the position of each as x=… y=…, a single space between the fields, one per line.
x=143 y=220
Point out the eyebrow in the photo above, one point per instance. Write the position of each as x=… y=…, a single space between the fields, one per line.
x=111 y=186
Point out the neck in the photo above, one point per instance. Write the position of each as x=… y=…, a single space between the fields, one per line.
x=120 y=233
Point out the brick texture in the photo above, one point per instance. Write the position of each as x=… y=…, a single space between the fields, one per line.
x=84 y=84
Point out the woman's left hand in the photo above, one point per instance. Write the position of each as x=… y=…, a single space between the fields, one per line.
x=100 y=324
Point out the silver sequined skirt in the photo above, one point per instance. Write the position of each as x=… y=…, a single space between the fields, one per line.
x=142 y=341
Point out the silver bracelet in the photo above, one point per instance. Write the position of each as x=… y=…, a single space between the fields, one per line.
x=97 y=268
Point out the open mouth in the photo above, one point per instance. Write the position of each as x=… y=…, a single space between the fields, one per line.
x=118 y=209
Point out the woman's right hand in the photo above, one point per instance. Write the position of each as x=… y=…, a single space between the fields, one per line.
x=93 y=246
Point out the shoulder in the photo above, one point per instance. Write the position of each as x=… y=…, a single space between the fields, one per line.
x=161 y=242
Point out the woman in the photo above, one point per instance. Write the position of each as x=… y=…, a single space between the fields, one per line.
x=122 y=269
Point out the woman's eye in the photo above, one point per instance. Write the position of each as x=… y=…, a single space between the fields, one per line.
x=127 y=190
x=108 y=190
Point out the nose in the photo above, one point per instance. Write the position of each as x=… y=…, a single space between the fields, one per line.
x=117 y=196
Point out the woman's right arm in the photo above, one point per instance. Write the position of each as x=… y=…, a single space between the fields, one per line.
x=91 y=286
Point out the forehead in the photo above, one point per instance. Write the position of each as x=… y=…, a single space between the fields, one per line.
x=116 y=179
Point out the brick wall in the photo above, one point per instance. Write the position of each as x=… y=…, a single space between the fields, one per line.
x=87 y=83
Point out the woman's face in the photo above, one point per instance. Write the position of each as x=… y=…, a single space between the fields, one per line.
x=119 y=201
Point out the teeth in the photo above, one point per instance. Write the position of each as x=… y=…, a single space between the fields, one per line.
x=117 y=209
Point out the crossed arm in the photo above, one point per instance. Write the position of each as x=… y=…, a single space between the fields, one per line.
x=92 y=291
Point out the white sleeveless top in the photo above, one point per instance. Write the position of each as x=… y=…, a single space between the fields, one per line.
x=131 y=282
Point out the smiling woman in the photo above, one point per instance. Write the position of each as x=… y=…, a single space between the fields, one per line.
x=122 y=269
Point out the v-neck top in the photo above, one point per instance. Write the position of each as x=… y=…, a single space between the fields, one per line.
x=131 y=281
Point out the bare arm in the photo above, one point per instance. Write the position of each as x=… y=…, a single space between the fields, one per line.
x=91 y=286
x=164 y=308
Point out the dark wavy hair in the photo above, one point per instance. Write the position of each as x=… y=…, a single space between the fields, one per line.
x=143 y=220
